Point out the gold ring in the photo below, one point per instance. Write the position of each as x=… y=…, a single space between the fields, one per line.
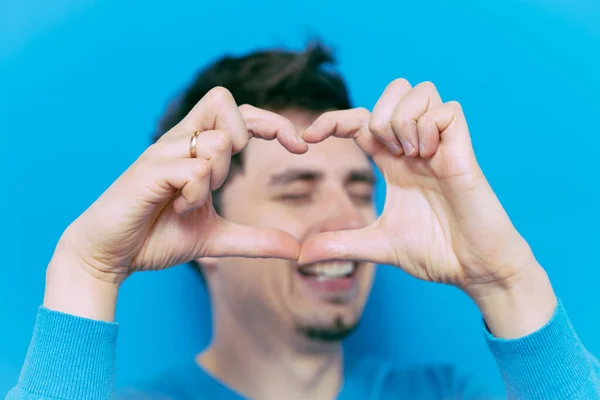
x=193 y=144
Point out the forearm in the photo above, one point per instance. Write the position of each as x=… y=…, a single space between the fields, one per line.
x=68 y=358
x=72 y=350
x=534 y=343
x=550 y=363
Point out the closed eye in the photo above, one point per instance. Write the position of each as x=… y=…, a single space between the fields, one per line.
x=363 y=198
x=361 y=192
x=295 y=197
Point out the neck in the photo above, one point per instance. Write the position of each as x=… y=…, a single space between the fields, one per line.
x=260 y=363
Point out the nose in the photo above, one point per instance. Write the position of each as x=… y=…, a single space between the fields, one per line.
x=341 y=214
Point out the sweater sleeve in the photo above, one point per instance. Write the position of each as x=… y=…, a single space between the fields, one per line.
x=68 y=358
x=550 y=363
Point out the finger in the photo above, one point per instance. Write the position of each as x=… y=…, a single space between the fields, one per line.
x=269 y=125
x=217 y=110
x=438 y=122
x=381 y=120
x=352 y=123
x=366 y=244
x=232 y=240
x=161 y=180
x=404 y=120
x=195 y=191
x=214 y=146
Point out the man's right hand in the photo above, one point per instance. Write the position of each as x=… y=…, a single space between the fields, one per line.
x=159 y=212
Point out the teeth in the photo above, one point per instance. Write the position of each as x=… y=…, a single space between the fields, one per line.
x=330 y=270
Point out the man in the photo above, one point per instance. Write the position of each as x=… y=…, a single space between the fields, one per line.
x=288 y=258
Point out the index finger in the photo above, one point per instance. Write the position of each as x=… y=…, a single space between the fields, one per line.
x=353 y=123
x=217 y=110
x=269 y=125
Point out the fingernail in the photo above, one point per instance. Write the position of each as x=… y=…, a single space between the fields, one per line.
x=408 y=148
x=394 y=148
x=422 y=148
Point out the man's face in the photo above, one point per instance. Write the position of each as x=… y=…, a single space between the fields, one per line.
x=326 y=189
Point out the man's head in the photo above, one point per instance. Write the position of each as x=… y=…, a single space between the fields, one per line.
x=328 y=188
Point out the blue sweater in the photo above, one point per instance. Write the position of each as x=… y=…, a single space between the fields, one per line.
x=74 y=358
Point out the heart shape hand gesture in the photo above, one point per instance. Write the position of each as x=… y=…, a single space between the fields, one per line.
x=441 y=221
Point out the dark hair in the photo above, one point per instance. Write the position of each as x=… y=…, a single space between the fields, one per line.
x=271 y=79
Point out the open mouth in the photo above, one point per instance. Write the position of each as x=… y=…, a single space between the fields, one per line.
x=329 y=270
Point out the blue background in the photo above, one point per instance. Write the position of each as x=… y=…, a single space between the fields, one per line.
x=83 y=82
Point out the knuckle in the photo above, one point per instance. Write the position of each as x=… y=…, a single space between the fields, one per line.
x=223 y=142
x=401 y=82
x=401 y=123
x=377 y=127
x=424 y=121
x=238 y=142
x=455 y=105
x=363 y=113
x=220 y=96
x=200 y=169
x=245 y=108
x=428 y=86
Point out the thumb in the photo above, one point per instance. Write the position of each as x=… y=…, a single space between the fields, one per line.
x=367 y=244
x=232 y=240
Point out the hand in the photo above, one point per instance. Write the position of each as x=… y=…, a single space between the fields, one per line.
x=159 y=212
x=441 y=221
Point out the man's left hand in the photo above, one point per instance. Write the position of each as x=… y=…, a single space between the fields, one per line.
x=441 y=222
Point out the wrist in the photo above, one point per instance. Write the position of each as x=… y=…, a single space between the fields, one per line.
x=72 y=289
x=519 y=307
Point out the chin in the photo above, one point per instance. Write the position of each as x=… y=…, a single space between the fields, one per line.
x=329 y=298
x=327 y=322
x=334 y=331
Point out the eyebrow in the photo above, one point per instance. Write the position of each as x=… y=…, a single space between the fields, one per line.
x=366 y=176
x=294 y=175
